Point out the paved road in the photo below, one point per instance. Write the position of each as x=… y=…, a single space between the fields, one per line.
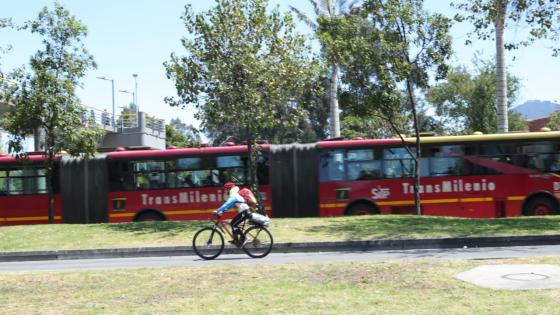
x=157 y=262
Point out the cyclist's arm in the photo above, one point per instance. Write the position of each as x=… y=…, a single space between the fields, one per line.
x=227 y=205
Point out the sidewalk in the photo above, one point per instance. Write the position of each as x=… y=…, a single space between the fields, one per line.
x=397 y=244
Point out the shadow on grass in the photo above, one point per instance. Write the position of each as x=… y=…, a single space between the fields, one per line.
x=388 y=227
x=169 y=228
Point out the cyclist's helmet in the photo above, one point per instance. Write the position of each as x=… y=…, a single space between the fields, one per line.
x=229 y=185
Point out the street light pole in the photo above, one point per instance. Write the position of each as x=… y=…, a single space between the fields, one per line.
x=131 y=93
x=133 y=98
x=112 y=95
x=136 y=92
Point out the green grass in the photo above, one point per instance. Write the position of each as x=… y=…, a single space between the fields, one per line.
x=83 y=236
x=373 y=287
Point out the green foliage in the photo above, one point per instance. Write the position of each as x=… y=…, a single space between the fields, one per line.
x=554 y=123
x=490 y=19
x=387 y=46
x=542 y=19
x=467 y=101
x=4 y=48
x=181 y=135
x=45 y=99
x=328 y=9
x=246 y=67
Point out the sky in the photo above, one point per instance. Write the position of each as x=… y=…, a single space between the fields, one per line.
x=129 y=37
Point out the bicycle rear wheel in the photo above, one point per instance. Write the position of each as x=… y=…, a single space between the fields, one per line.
x=258 y=242
x=208 y=243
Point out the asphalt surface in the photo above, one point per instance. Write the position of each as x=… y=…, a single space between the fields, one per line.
x=281 y=258
x=344 y=246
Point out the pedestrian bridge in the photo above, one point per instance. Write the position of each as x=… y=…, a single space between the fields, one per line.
x=128 y=129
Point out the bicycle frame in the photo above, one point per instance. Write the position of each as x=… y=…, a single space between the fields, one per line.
x=222 y=225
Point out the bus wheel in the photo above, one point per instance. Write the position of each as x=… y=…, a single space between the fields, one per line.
x=540 y=206
x=149 y=216
x=361 y=208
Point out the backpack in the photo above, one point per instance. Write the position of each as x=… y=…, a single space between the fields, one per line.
x=249 y=197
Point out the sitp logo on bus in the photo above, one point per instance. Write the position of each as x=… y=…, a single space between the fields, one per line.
x=380 y=193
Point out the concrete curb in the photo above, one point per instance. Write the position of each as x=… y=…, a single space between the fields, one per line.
x=398 y=244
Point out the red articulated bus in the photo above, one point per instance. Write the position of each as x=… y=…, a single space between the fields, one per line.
x=177 y=184
x=23 y=192
x=473 y=176
x=476 y=176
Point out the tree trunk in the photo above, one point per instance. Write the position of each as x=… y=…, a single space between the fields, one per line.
x=252 y=153
x=501 y=76
x=333 y=98
x=49 y=179
x=417 y=202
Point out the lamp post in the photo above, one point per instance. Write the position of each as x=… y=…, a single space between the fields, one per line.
x=112 y=95
x=136 y=92
x=133 y=101
x=131 y=93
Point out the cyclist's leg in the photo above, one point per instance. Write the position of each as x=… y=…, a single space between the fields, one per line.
x=237 y=235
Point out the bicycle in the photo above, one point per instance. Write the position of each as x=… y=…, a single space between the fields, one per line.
x=209 y=243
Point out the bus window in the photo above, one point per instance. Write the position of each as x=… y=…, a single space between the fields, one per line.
x=392 y=169
x=397 y=153
x=448 y=150
x=3 y=183
x=236 y=175
x=497 y=149
x=205 y=178
x=360 y=155
x=186 y=163
x=364 y=170
x=362 y=166
x=262 y=168
x=146 y=166
x=180 y=179
x=149 y=174
x=548 y=162
x=229 y=161
x=120 y=177
x=15 y=182
x=446 y=166
x=141 y=181
x=404 y=168
x=331 y=165
x=231 y=169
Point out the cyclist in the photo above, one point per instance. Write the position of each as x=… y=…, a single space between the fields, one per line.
x=243 y=209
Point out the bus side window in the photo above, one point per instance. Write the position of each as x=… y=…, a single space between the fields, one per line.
x=331 y=165
x=3 y=183
x=141 y=181
x=262 y=168
x=120 y=177
x=392 y=169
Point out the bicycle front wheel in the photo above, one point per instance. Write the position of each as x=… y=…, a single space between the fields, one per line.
x=208 y=243
x=258 y=242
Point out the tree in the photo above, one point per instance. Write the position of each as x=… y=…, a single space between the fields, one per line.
x=328 y=9
x=245 y=68
x=491 y=17
x=467 y=101
x=45 y=99
x=554 y=122
x=181 y=135
x=3 y=49
x=389 y=52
